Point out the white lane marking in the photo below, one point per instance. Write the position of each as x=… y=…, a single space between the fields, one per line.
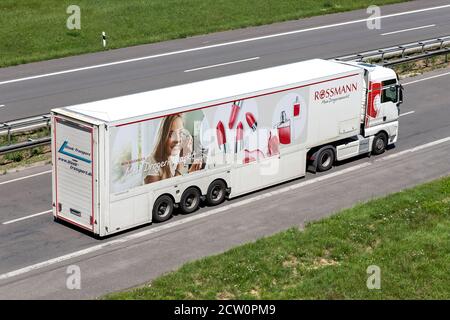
x=26 y=177
x=225 y=44
x=424 y=79
x=222 y=64
x=27 y=217
x=406 y=30
x=418 y=148
x=171 y=224
x=208 y=213
x=406 y=113
x=2 y=106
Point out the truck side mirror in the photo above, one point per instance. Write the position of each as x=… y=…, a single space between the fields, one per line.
x=399 y=94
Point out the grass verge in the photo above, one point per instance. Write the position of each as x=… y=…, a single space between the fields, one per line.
x=415 y=68
x=406 y=234
x=35 y=30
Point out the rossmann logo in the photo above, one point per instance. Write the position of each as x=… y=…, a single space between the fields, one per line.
x=335 y=91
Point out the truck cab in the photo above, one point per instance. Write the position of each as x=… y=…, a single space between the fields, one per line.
x=380 y=105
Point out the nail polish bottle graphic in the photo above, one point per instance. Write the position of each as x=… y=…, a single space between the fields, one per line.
x=251 y=121
x=237 y=105
x=284 y=129
x=239 y=138
x=296 y=107
x=221 y=137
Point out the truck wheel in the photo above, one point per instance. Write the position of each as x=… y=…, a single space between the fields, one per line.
x=325 y=160
x=163 y=208
x=216 y=193
x=379 y=144
x=190 y=200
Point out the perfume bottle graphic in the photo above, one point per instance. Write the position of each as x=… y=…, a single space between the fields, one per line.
x=237 y=105
x=284 y=129
x=296 y=107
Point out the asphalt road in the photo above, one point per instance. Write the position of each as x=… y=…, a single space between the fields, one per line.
x=325 y=36
x=133 y=257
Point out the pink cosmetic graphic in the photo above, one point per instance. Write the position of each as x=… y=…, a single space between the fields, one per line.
x=221 y=137
x=296 y=107
x=274 y=145
x=239 y=138
x=237 y=105
x=251 y=121
x=284 y=129
x=251 y=156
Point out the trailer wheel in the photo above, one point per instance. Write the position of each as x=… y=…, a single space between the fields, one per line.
x=190 y=200
x=217 y=192
x=163 y=208
x=325 y=160
x=379 y=143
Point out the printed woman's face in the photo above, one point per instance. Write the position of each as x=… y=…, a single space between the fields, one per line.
x=173 y=143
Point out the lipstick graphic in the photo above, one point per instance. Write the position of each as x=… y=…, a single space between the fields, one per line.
x=239 y=138
x=237 y=105
x=221 y=137
x=251 y=120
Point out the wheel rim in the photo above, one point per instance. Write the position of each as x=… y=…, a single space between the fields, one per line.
x=191 y=201
x=326 y=160
x=163 y=209
x=379 y=144
x=216 y=193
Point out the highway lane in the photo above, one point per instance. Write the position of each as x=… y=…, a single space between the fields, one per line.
x=37 y=239
x=36 y=96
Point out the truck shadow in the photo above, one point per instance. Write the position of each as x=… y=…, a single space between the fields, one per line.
x=178 y=214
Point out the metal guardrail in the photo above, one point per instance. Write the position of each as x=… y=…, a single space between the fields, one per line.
x=21 y=125
x=405 y=53
x=24 y=124
x=25 y=145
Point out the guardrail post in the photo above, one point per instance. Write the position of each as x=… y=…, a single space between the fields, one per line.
x=423 y=46
x=403 y=51
x=382 y=55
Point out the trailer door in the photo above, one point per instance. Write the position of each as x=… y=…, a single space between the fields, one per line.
x=74 y=157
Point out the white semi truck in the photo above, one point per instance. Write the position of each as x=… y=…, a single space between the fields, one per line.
x=127 y=161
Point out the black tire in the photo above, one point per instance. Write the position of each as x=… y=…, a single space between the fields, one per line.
x=190 y=200
x=325 y=160
x=379 y=144
x=162 y=208
x=217 y=191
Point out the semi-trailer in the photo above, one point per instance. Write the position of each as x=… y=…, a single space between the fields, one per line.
x=122 y=162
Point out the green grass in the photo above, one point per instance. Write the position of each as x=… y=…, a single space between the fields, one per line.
x=34 y=30
x=406 y=234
